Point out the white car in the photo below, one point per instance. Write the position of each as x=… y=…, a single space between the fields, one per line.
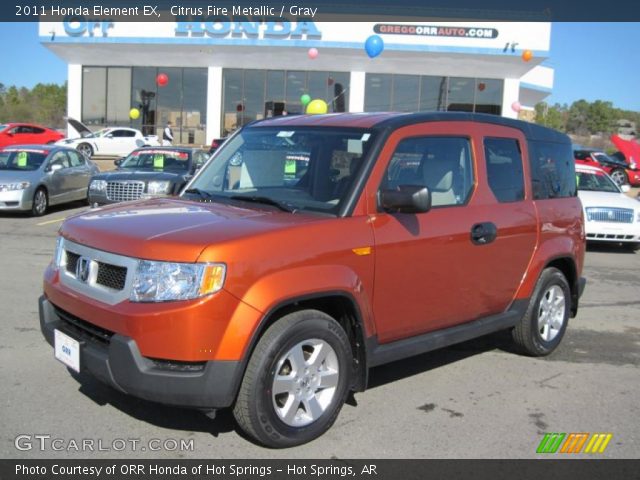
x=112 y=141
x=610 y=215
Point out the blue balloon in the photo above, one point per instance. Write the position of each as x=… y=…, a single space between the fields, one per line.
x=374 y=46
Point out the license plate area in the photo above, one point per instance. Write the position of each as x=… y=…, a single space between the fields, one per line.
x=67 y=350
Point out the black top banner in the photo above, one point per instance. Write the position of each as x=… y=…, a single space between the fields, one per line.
x=320 y=10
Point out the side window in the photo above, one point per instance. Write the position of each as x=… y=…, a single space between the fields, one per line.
x=127 y=133
x=60 y=158
x=200 y=159
x=76 y=159
x=552 y=170
x=504 y=169
x=37 y=130
x=442 y=164
x=117 y=133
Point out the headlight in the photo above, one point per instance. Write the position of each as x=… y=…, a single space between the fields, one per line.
x=98 y=185
x=164 y=281
x=158 y=188
x=57 y=253
x=7 y=187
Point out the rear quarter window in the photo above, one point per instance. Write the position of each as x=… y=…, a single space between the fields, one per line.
x=553 y=172
x=504 y=169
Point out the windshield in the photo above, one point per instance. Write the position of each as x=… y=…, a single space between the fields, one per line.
x=604 y=158
x=3 y=127
x=99 y=133
x=596 y=182
x=298 y=168
x=162 y=160
x=22 y=159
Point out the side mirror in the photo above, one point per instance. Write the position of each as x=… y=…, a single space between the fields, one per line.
x=406 y=199
x=119 y=161
x=625 y=188
x=110 y=135
x=55 y=167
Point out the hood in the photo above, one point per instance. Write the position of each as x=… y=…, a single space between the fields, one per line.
x=607 y=199
x=629 y=148
x=172 y=229
x=141 y=175
x=79 y=127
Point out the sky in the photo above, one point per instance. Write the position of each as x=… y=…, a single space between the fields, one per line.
x=592 y=61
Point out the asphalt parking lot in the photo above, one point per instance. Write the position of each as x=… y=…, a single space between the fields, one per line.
x=474 y=400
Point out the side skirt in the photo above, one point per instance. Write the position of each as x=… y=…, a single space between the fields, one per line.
x=379 y=354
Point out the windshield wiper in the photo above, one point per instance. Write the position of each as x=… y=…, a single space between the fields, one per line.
x=285 y=207
x=201 y=193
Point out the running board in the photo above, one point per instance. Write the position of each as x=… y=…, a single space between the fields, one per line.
x=378 y=354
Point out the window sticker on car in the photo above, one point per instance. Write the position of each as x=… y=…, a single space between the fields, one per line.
x=290 y=167
x=354 y=146
x=22 y=159
x=285 y=134
x=365 y=137
x=158 y=161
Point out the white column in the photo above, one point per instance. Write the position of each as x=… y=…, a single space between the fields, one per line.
x=356 y=92
x=214 y=103
x=74 y=96
x=510 y=94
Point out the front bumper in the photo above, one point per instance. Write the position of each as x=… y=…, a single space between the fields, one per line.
x=16 y=200
x=117 y=361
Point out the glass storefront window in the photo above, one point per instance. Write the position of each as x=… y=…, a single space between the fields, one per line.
x=118 y=95
x=143 y=97
x=194 y=105
x=169 y=101
x=412 y=93
x=295 y=87
x=94 y=95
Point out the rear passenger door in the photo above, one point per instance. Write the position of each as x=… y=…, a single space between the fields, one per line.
x=446 y=267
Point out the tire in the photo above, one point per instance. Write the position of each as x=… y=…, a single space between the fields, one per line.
x=619 y=176
x=632 y=246
x=40 y=202
x=541 y=329
x=295 y=408
x=85 y=149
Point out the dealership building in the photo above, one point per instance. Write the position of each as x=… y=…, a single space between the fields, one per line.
x=221 y=75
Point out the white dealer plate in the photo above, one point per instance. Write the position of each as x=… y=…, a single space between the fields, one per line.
x=67 y=350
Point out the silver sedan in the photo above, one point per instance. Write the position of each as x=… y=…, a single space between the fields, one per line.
x=33 y=177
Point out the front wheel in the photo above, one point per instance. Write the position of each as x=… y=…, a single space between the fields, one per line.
x=297 y=380
x=619 y=176
x=545 y=321
x=85 y=149
x=40 y=202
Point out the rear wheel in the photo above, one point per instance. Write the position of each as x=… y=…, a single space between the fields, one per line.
x=619 y=176
x=40 y=202
x=297 y=380
x=85 y=149
x=632 y=246
x=541 y=329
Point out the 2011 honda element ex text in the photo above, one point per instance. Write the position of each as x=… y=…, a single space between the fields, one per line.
x=311 y=248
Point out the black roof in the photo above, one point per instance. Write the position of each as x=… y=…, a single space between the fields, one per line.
x=531 y=131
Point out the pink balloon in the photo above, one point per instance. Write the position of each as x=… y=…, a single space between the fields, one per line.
x=313 y=53
x=516 y=107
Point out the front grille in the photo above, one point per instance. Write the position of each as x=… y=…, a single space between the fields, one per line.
x=123 y=191
x=72 y=262
x=608 y=214
x=84 y=330
x=608 y=236
x=111 y=276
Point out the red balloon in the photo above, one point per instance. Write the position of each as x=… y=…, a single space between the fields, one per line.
x=162 y=79
x=330 y=81
x=239 y=107
x=481 y=86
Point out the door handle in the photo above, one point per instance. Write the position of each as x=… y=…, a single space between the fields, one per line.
x=483 y=233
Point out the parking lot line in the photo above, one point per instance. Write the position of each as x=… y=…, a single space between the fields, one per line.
x=51 y=221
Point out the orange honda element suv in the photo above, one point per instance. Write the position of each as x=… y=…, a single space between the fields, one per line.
x=311 y=248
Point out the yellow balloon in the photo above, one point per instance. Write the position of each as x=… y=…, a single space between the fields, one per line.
x=134 y=113
x=317 y=107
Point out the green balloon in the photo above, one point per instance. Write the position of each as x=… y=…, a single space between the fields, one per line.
x=305 y=99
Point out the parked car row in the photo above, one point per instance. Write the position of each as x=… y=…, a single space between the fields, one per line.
x=34 y=177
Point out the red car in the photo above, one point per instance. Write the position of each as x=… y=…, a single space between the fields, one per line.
x=617 y=168
x=629 y=153
x=27 y=134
